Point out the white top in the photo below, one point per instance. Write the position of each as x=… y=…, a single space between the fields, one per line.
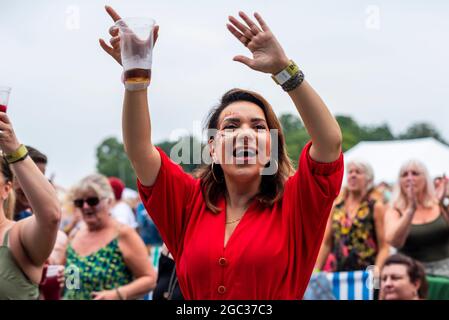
x=123 y=213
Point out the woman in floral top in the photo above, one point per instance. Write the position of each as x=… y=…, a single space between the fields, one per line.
x=354 y=237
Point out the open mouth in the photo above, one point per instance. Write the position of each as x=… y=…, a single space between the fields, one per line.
x=244 y=154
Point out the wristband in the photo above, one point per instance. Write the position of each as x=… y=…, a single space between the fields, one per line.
x=18 y=155
x=119 y=294
x=289 y=72
x=293 y=82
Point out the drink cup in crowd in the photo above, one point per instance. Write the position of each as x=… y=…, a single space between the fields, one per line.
x=4 y=98
x=136 y=43
x=50 y=287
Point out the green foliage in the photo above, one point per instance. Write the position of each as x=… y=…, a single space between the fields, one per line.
x=112 y=160
x=422 y=130
x=190 y=145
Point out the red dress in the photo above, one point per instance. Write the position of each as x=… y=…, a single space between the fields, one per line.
x=272 y=251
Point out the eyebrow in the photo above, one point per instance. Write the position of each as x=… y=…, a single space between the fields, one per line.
x=238 y=120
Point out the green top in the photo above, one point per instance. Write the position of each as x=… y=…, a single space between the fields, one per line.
x=102 y=270
x=14 y=284
x=428 y=242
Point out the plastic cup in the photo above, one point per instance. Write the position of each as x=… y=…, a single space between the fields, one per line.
x=136 y=43
x=50 y=287
x=4 y=98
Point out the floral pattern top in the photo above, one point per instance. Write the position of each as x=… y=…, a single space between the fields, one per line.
x=355 y=244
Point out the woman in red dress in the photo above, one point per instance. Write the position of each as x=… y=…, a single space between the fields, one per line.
x=239 y=231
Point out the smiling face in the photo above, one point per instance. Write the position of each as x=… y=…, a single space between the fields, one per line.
x=396 y=284
x=94 y=209
x=242 y=144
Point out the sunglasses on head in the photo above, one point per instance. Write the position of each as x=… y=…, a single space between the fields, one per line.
x=91 y=202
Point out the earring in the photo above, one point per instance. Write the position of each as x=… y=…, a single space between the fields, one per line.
x=213 y=173
x=276 y=164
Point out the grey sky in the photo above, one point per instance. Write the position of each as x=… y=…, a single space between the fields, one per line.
x=67 y=94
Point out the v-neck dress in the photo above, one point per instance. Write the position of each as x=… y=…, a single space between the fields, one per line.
x=272 y=251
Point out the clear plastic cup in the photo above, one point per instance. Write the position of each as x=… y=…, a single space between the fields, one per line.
x=136 y=42
x=50 y=287
x=4 y=98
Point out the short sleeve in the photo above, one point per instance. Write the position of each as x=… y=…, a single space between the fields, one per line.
x=307 y=201
x=167 y=201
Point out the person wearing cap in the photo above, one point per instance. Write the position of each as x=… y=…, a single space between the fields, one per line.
x=121 y=211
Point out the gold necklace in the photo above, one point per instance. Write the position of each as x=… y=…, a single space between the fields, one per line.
x=233 y=221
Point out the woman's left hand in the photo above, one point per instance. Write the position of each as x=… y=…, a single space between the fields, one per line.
x=8 y=139
x=105 y=295
x=268 y=55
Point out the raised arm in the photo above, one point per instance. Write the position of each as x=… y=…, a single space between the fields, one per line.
x=136 y=124
x=37 y=234
x=269 y=57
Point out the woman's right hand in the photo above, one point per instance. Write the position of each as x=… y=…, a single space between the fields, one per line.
x=114 y=49
x=412 y=202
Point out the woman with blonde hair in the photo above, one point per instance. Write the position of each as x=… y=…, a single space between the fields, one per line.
x=110 y=258
x=355 y=233
x=416 y=224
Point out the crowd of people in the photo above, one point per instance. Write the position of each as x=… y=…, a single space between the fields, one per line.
x=385 y=226
x=226 y=228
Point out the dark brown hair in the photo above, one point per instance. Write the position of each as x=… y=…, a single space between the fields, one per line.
x=272 y=186
x=36 y=155
x=8 y=205
x=415 y=271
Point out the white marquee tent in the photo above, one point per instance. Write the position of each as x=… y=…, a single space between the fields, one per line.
x=386 y=157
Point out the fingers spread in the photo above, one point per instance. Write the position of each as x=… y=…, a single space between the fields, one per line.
x=245 y=60
x=253 y=27
x=243 y=29
x=262 y=23
x=243 y=39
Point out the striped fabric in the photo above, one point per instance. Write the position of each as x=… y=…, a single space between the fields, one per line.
x=352 y=285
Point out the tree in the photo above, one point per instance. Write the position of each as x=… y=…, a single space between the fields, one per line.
x=380 y=133
x=422 y=130
x=113 y=161
x=290 y=123
x=189 y=144
x=353 y=133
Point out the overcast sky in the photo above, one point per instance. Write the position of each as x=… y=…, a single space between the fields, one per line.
x=377 y=61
